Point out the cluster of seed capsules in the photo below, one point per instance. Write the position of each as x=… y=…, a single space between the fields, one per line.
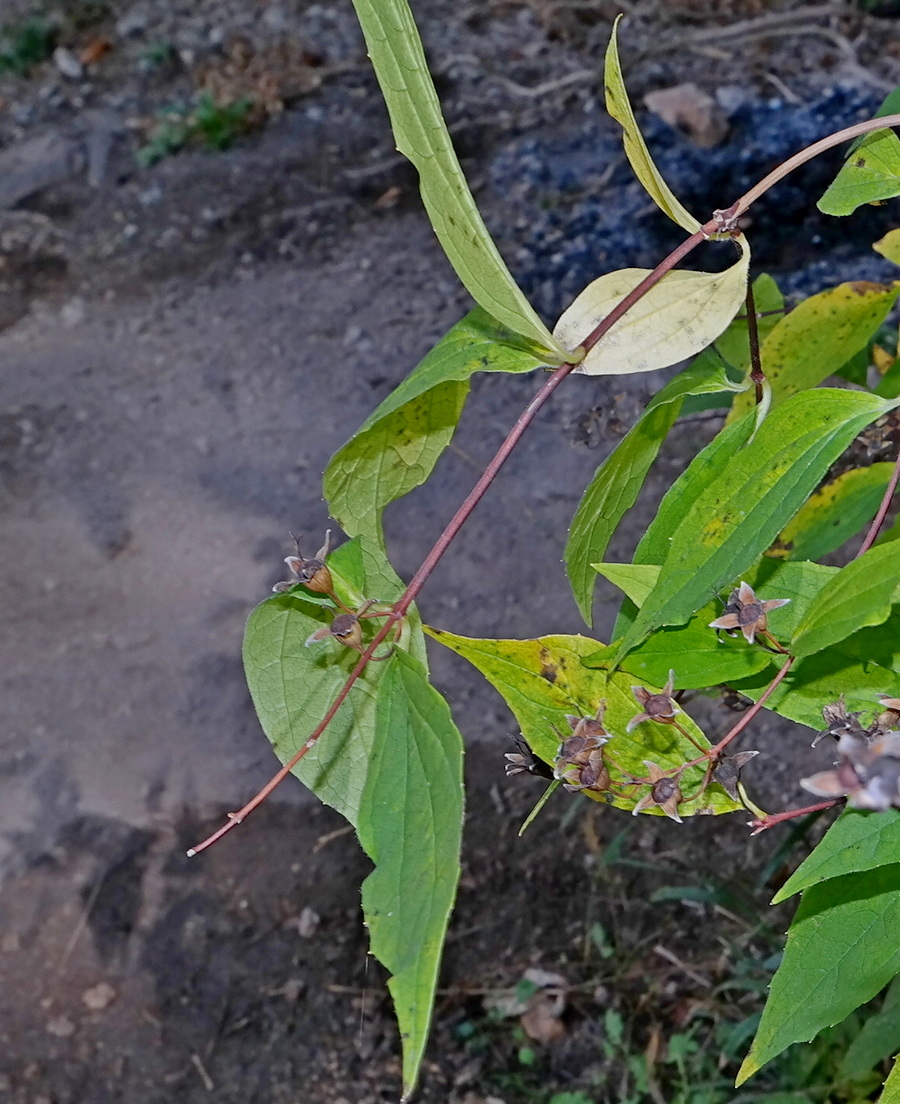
x=868 y=769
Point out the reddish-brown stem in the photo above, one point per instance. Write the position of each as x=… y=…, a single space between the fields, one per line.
x=458 y=520
x=762 y=823
x=756 y=371
x=747 y=717
x=723 y=221
x=838 y=138
x=878 y=520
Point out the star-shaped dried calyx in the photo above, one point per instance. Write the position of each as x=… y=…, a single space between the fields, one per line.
x=838 y=722
x=664 y=792
x=659 y=707
x=524 y=761
x=727 y=772
x=867 y=773
x=746 y=612
x=890 y=715
x=313 y=574
x=579 y=761
x=346 y=629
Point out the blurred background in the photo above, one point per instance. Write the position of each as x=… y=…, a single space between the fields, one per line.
x=213 y=266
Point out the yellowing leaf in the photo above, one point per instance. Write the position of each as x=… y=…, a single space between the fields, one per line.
x=818 y=337
x=889 y=246
x=681 y=315
x=542 y=680
x=869 y=175
x=618 y=105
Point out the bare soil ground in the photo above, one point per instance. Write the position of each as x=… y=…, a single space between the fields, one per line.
x=183 y=346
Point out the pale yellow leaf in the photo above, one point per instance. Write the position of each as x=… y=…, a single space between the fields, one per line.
x=679 y=316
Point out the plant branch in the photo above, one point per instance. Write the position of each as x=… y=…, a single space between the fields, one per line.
x=754 y=709
x=737 y=209
x=722 y=222
x=769 y=821
x=756 y=371
x=878 y=520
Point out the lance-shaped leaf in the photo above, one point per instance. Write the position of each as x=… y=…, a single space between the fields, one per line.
x=860 y=594
x=410 y=825
x=842 y=950
x=679 y=316
x=818 y=337
x=619 y=107
x=701 y=656
x=617 y=482
x=871 y=174
x=856 y=841
x=398 y=445
x=421 y=135
x=542 y=680
x=833 y=514
x=742 y=510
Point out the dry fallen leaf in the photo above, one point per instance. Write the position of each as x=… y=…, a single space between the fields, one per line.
x=99 y=996
x=692 y=111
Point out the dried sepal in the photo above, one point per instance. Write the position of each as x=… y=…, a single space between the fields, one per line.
x=838 y=722
x=524 y=761
x=579 y=761
x=314 y=574
x=744 y=611
x=727 y=772
x=659 y=707
x=346 y=629
x=665 y=792
x=867 y=772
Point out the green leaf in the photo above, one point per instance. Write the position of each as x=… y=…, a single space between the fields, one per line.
x=616 y=483
x=734 y=344
x=293 y=685
x=699 y=655
x=619 y=107
x=858 y=668
x=818 y=337
x=677 y=317
x=833 y=514
x=860 y=594
x=410 y=825
x=856 y=841
x=398 y=445
x=891 y=1092
x=870 y=174
x=634 y=580
x=745 y=505
x=421 y=134
x=841 y=950
x=889 y=246
x=542 y=680
x=879 y=1038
